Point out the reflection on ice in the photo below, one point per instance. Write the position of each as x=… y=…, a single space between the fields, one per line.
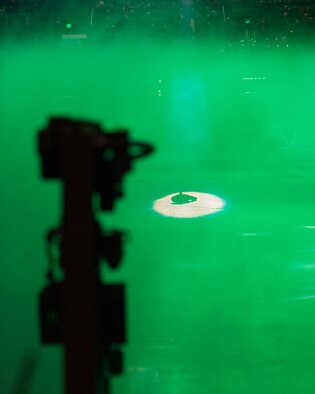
x=204 y=204
x=303 y=298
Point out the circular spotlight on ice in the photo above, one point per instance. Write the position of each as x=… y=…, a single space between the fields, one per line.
x=188 y=205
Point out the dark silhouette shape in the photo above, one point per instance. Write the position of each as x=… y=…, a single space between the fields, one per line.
x=182 y=198
x=80 y=311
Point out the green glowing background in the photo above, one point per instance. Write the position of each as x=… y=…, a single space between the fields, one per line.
x=221 y=304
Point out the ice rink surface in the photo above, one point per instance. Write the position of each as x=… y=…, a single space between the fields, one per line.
x=222 y=303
